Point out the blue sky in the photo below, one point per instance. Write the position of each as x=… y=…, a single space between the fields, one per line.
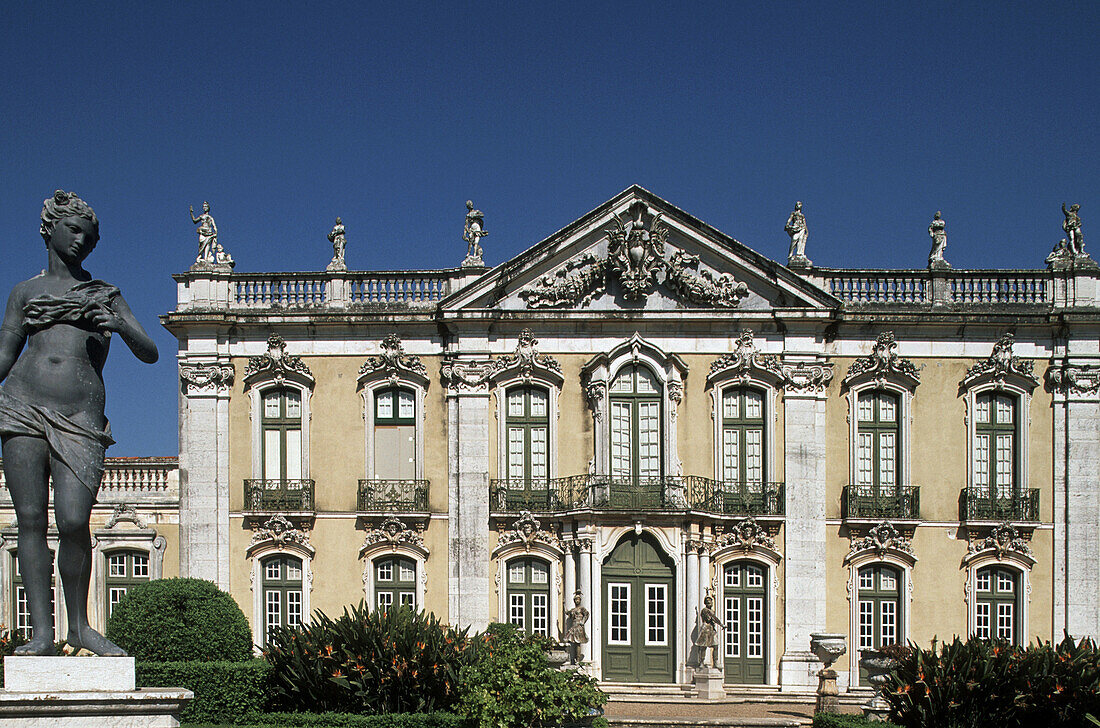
x=391 y=115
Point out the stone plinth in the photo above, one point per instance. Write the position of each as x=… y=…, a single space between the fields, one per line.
x=89 y=692
x=709 y=683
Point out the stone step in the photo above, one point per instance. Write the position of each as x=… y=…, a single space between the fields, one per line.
x=701 y=722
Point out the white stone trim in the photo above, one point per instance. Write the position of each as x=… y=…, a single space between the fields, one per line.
x=769 y=560
x=258 y=554
x=419 y=556
x=716 y=389
x=553 y=557
x=500 y=393
x=106 y=541
x=1016 y=562
x=368 y=387
x=905 y=425
x=1023 y=428
x=8 y=545
x=904 y=564
x=256 y=398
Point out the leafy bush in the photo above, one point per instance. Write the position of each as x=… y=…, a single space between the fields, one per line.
x=224 y=691
x=394 y=661
x=348 y=720
x=170 y=620
x=984 y=682
x=841 y=720
x=508 y=683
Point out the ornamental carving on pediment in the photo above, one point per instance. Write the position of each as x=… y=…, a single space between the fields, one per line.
x=393 y=532
x=1073 y=378
x=276 y=364
x=745 y=535
x=745 y=361
x=1002 y=363
x=636 y=250
x=880 y=540
x=205 y=377
x=465 y=376
x=807 y=377
x=124 y=512
x=1004 y=539
x=884 y=363
x=527 y=358
x=281 y=532
x=393 y=362
x=526 y=532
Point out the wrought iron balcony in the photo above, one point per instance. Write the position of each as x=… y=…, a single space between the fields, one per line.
x=285 y=496
x=982 y=504
x=407 y=496
x=869 y=501
x=733 y=498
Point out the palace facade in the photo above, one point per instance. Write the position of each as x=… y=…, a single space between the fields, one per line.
x=643 y=410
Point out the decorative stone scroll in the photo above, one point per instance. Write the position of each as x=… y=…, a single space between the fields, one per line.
x=1003 y=540
x=460 y=376
x=807 y=377
x=277 y=364
x=594 y=393
x=1002 y=365
x=636 y=257
x=394 y=363
x=527 y=360
x=1074 y=378
x=206 y=378
x=884 y=364
x=881 y=540
x=527 y=532
x=746 y=534
x=746 y=362
x=393 y=533
x=278 y=531
x=124 y=512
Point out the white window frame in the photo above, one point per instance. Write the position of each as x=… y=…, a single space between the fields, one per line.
x=120 y=538
x=1016 y=562
x=371 y=384
x=258 y=553
x=905 y=426
x=899 y=560
x=1022 y=395
x=369 y=553
x=518 y=374
x=256 y=393
x=767 y=559
x=553 y=556
x=8 y=548
x=629 y=598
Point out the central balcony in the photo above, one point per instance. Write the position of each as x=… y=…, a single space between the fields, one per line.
x=393 y=496
x=872 y=502
x=981 y=504
x=278 y=496
x=600 y=492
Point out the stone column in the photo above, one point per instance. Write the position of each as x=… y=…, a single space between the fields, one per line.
x=691 y=607
x=204 y=470
x=804 y=529
x=704 y=573
x=468 y=491
x=570 y=560
x=589 y=585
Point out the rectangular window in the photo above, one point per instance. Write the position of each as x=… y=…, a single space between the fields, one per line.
x=538 y=452
x=538 y=403
x=889 y=583
x=864 y=458
x=406 y=572
x=647 y=383
x=618 y=614
x=981 y=412
x=274 y=610
x=273 y=570
x=540 y=620
x=405 y=405
x=116 y=565
x=866 y=625
x=271 y=405
x=887 y=458
x=517 y=609
x=735 y=627
x=888 y=613
x=983 y=581
x=729 y=607
x=114 y=596
x=865 y=411
x=981 y=462
x=407 y=599
x=755 y=576
x=649 y=440
x=731 y=467
x=293 y=405
x=887 y=410
x=294 y=454
x=273 y=451
x=754 y=405
x=731 y=405
x=656 y=604
x=515 y=403
x=755 y=609
x=733 y=577
x=1004 y=410
x=867 y=579
x=141 y=566
x=293 y=608
x=1004 y=465
x=385 y=600
x=540 y=574
x=1005 y=583
x=1005 y=620
x=293 y=570
x=385 y=406
x=981 y=624
x=754 y=456
x=385 y=571
x=515 y=452
x=620 y=440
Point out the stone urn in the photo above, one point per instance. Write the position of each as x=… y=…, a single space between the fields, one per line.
x=557 y=656
x=878 y=665
x=828 y=647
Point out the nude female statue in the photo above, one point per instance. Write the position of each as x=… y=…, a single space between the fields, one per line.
x=51 y=414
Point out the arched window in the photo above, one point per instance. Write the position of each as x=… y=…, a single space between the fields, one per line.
x=636 y=439
x=282 y=592
x=395 y=434
x=878 y=434
x=995 y=445
x=879 y=607
x=282 y=435
x=125 y=570
x=744 y=600
x=529 y=595
x=528 y=431
x=997 y=607
x=394 y=582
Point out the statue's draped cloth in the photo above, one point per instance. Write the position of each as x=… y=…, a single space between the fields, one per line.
x=78 y=446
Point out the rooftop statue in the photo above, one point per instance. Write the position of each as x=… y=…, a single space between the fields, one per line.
x=472 y=234
x=211 y=252
x=1072 y=226
x=53 y=343
x=938 y=232
x=796 y=228
x=339 y=242
x=1070 y=250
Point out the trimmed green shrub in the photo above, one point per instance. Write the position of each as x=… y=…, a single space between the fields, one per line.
x=393 y=661
x=171 y=620
x=224 y=691
x=841 y=720
x=991 y=682
x=509 y=683
x=351 y=720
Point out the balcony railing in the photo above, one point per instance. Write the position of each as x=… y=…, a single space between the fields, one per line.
x=977 y=504
x=270 y=496
x=409 y=496
x=869 y=501
x=601 y=492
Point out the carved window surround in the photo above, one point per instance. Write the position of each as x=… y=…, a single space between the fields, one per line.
x=392 y=367
x=526 y=537
x=278 y=536
x=138 y=536
x=393 y=537
x=1003 y=546
x=600 y=371
x=277 y=369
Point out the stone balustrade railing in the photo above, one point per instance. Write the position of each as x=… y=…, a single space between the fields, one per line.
x=939 y=287
x=134 y=476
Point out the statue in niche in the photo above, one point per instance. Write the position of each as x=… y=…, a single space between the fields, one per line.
x=575 y=634
x=339 y=242
x=796 y=228
x=1072 y=226
x=937 y=230
x=707 y=637
x=472 y=234
x=210 y=250
x=52 y=423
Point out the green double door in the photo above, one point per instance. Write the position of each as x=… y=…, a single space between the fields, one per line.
x=639 y=615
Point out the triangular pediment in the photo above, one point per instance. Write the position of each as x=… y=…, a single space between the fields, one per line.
x=639 y=252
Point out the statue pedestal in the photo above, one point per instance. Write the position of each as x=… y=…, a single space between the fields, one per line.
x=828 y=696
x=709 y=683
x=92 y=692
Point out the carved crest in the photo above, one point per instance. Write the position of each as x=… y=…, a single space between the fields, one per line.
x=745 y=534
x=393 y=533
x=806 y=377
x=393 y=361
x=465 y=376
x=125 y=512
x=883 y=363
x=527 y=358
x=744 y=359
x=881 y=539
x=636 y=256
x=1000 y=364
x=276 y=363
x=280 y=531
x=206 y=377
x=1003 y=539
x=527 y=531
x=1071 y=379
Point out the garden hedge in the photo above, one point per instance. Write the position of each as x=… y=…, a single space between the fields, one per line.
x=224 y=691
x=348 y=720
x=843 y=720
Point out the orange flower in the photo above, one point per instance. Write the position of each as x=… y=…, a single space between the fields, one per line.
x=337 y=673
x=328 y=649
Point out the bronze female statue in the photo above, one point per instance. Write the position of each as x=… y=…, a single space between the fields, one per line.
x=51 y=414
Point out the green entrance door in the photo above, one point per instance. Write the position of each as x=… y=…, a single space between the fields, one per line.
x=744 y=617
x=639 y=642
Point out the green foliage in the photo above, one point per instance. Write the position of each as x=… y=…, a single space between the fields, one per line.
x=223 y=690
x=509 y=684
x=843 y=720
x=394 y=661
x=171 y=620
x=984 y=682
x=340 y=720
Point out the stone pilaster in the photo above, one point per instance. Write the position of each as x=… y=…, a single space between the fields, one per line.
x=204 y=470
